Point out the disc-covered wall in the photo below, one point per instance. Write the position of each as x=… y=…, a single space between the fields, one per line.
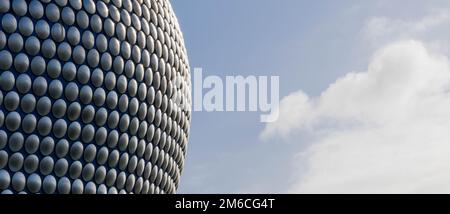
x=94 y=97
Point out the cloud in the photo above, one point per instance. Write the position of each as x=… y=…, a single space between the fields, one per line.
x=385 y=130
x=380 y=30
x=380 y=26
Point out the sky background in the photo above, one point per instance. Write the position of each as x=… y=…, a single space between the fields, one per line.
x=313 y=45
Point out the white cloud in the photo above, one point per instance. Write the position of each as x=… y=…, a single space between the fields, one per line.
x=381 y=26
x=431 y=29
x=380 y=30
x=385 y=130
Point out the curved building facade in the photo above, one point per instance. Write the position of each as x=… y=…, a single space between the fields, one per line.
x=94 y=97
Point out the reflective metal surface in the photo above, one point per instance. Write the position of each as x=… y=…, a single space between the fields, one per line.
x=94 y=97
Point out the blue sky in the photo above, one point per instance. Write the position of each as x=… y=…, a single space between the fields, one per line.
x=309 y=44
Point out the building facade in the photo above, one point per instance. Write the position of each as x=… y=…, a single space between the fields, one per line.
x=94 y=97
